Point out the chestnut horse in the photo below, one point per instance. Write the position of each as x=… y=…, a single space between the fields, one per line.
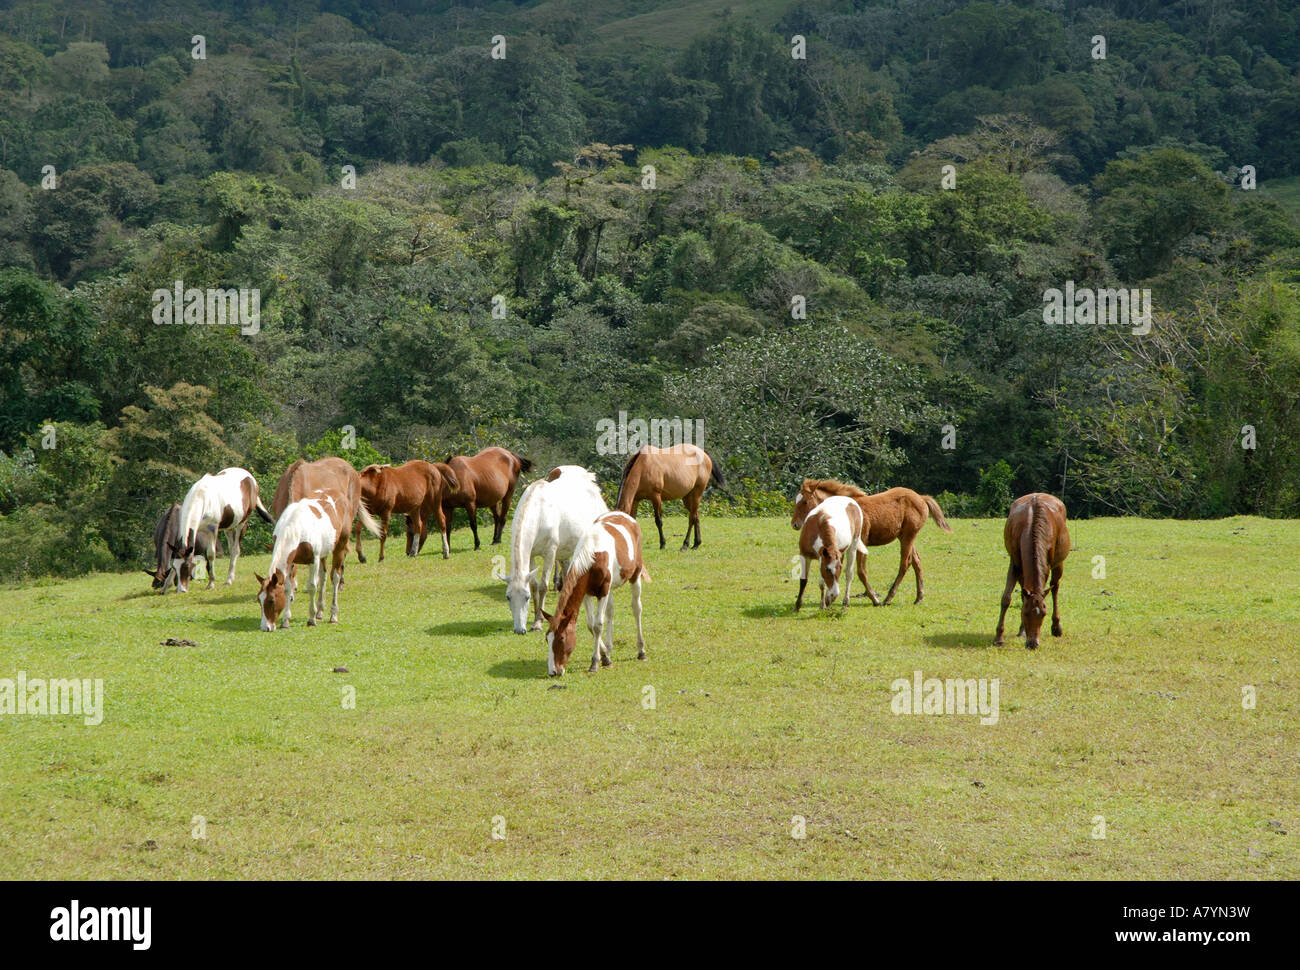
x=415 y=490
x=679 y=472
x=488 y=479
x=897 y=513
x=303 y=478
x=1037 y=541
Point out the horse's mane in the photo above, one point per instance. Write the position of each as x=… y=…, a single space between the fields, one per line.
x=517 y=536
x=833 y=486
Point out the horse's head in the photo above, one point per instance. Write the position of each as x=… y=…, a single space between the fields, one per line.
x=272 y=595
x=560 y=640
x=519 y=594
x=1033 y=607
x=804 y=502
x=831 y=564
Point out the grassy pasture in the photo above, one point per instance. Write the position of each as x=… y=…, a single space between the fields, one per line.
x=1135 y=715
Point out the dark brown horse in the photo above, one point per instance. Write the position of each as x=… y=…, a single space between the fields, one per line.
x=415 y=490
x=679 y=472
x=486 y=479
x=898 y=513
x=1037 y=542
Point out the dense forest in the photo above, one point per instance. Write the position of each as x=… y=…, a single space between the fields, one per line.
x=826 y=230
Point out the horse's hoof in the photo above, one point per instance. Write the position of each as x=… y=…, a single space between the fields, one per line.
x=334 y=619
x=998 y=641
x=1057 y=631
x=1031 y=646
x=606 y=662
x=641 y=655
x=592 y=669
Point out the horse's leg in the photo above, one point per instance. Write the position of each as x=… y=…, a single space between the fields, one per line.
x=210 y=557
x=847 y=571
x=384 y=516
x=232 y=550
x=1006 y=601
x=607 y=647
x=862 y=575
x=597 y=622
x=472 y=509
x=539 y=587
x=636 y=615
x=505 y=509
x=444 y=528
x=916 y=568
x=322 y=577
x=1056 y=613
x=657 y=501
x=803 y=582
x=692 y=503
x=904 y=563
x=415 y=528
x=356 y=539
x=338 y=581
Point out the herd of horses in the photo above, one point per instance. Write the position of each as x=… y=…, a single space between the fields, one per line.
x=565 y=536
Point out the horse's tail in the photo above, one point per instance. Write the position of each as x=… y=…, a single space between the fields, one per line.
x=936 y=513
x=525 y=464
x=368 y=520
x=715 y=476
x=622 y=482
x=262 y=513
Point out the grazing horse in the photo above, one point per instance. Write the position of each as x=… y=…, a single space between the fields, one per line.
x=1037 y=541
x=679 y=472
x=897 y=513
x=487 y=478
x=831 y=533
x=302 y=478
x=415 y=490
x=170 y=569
x=216 y=503
x=608 y=556
x=309 y=532
x=552 y=517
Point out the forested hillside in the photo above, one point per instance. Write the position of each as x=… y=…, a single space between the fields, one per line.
x=825 y=229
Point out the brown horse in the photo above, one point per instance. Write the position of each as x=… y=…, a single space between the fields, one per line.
x=1037 y=541
x=303 y=478
x=488 y=479
x=415 y=490
x=898 y=513
x=679 y=472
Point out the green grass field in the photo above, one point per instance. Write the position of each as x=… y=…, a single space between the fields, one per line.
x=1136 y=715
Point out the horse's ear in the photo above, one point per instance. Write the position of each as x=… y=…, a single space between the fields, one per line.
x=260 y=580
x=150 y=573
x=548 y=616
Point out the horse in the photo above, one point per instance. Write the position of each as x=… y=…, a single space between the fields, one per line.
x=302 y=478
x=487 y=478
x=413 y=489
x=553 y=515
x=898 y=513
x=1037 y=541
x=170 y=568
x=608 y=556
x=679 y=472
x=310 y=531
x=831 y=533
x=217 y=503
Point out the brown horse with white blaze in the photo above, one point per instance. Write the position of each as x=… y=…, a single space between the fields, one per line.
x=897 y=513
x=681 y=471
x=486 y=479
x=1037 y=541
x=413 y=489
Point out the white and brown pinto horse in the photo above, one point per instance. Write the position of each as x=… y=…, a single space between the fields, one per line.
x=681 y=471
x=832 y=535
x=312 y=532
x=302 y=479
x=896 y=513
x=214 y=504
x=1037 y=541
x=554 y=514
x=169 y=568
x=608 y=557
x=486 y=479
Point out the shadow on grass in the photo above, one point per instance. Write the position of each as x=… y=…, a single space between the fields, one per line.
x=767 y=611
x=532 y=669
x=252 y=623
x=472 y=628
x=493 y=591
x=962 y=641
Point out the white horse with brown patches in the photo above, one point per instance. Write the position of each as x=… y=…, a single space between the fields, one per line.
x=553 y=515
x=608 y=556
x=215 y=504
x=832 y=534
x=311 y=532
